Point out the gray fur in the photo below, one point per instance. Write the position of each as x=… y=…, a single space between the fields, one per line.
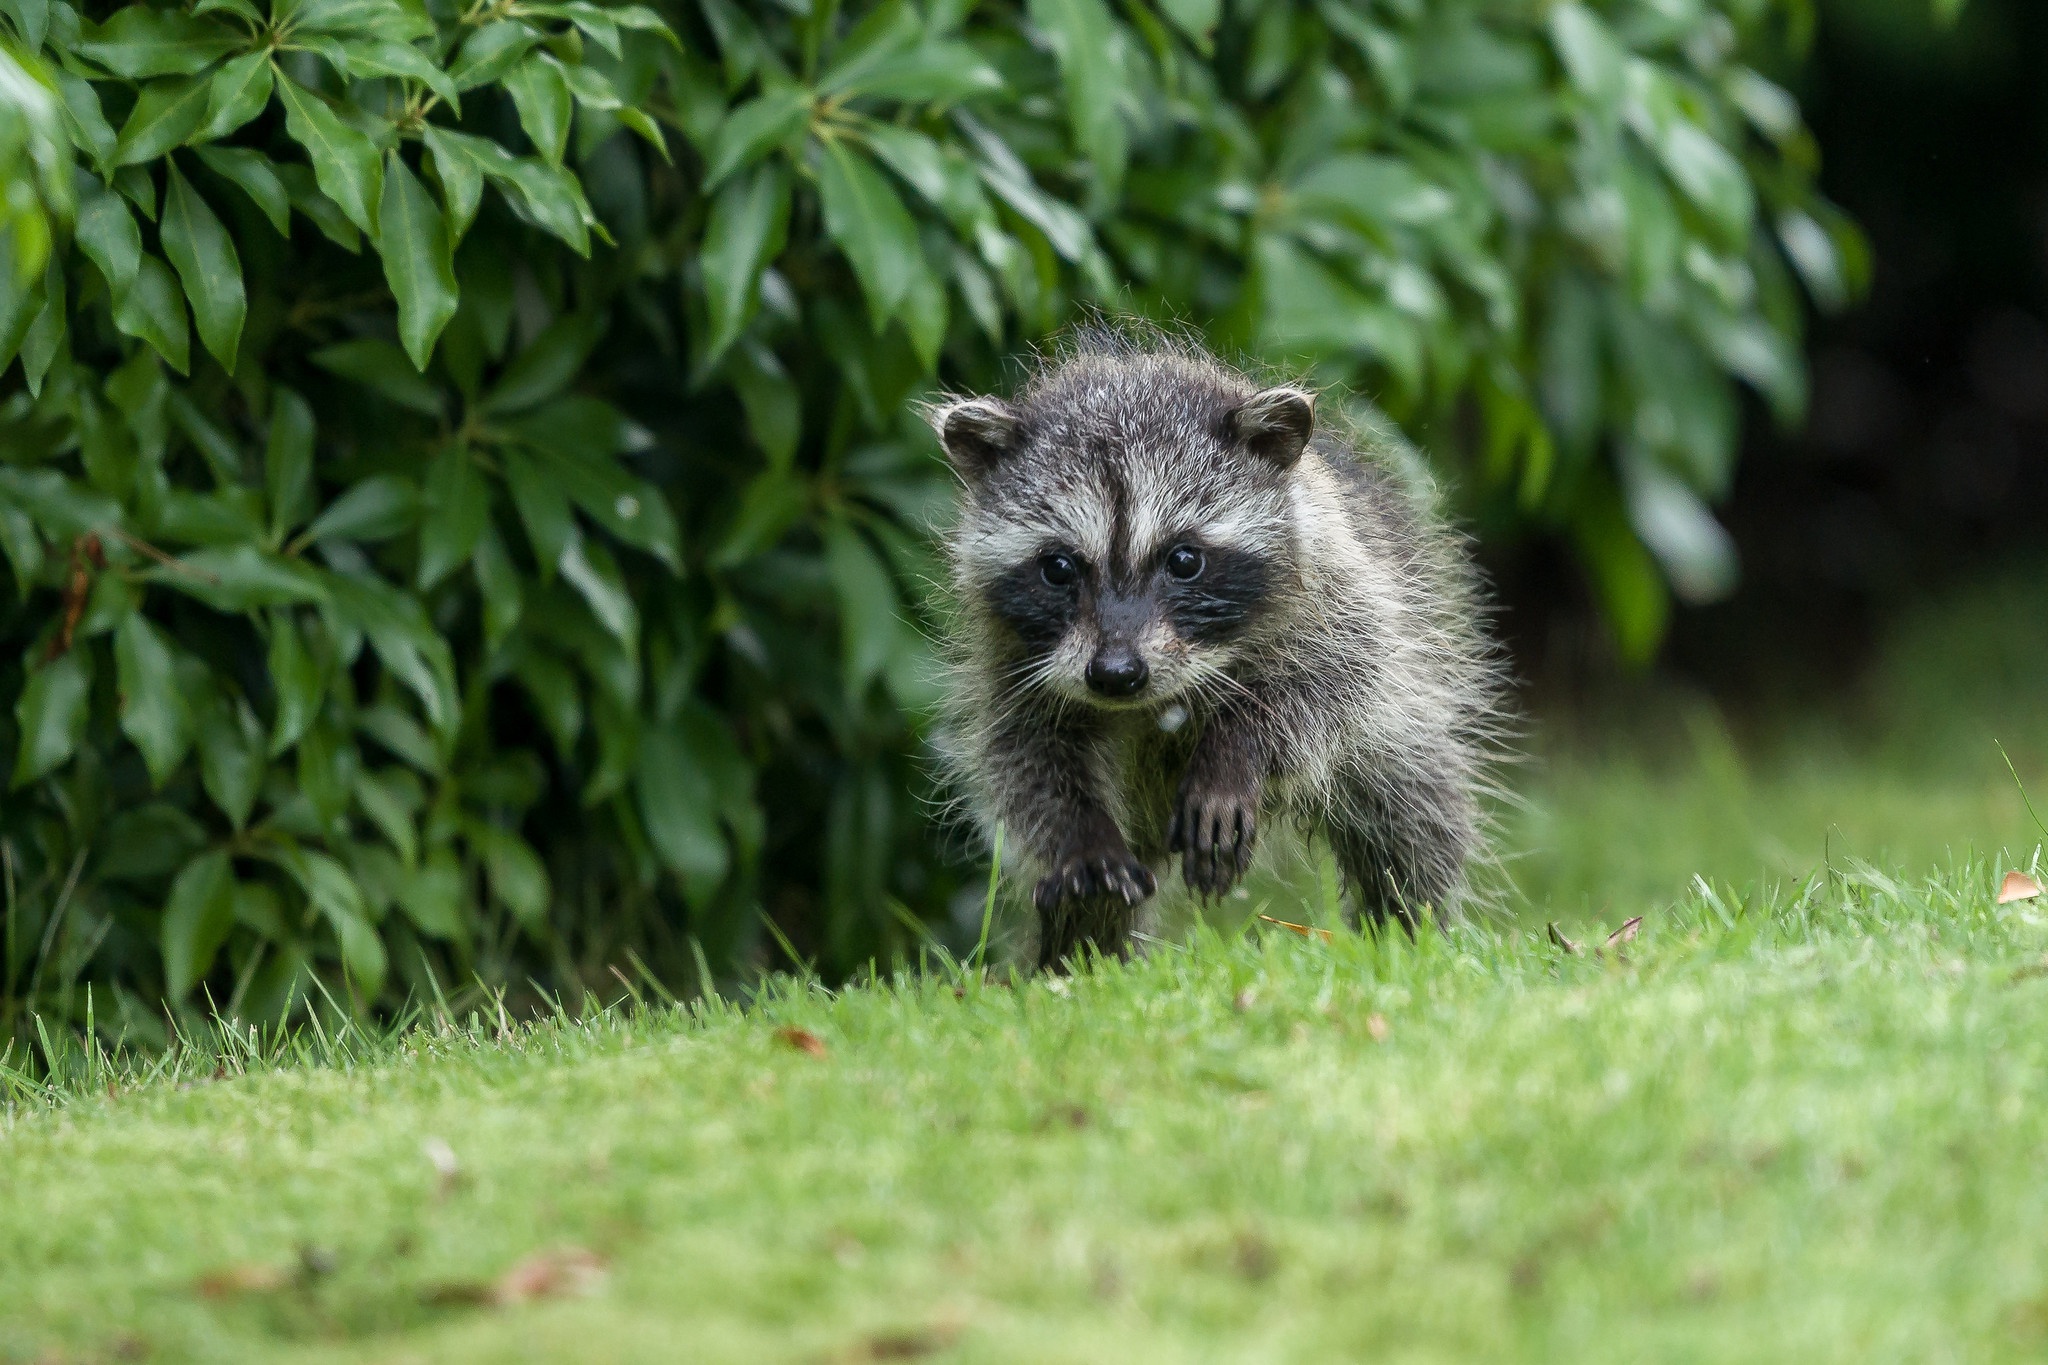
x=1358 y=700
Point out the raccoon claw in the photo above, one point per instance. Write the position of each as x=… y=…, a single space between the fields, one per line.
x=1089 y=876
x=1214 y=836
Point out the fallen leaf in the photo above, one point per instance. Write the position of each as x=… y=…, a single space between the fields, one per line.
x=2018 y=887
x=1376 y=1027
x=1625 y=933
x=249 y=1277
x=1304 y=930
x=803 y=1040
x=1242 y=1001
x=1557 y=937
x=559 y=1272
x=913 y=1343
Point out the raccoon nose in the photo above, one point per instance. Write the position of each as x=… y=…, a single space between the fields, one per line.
x=1120 y=674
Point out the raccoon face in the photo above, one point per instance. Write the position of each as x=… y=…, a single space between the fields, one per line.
x=1125 y=549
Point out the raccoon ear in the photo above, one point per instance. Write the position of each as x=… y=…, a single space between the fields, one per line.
x=976 y=433
x=1274 y=424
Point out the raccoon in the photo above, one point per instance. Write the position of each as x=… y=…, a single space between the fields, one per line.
x=1184 y=609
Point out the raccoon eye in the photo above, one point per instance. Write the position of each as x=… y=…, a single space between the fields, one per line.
x=1184 y=562
x=1059 y=570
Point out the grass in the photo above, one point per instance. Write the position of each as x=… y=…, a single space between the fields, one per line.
x=1800 y=1115
x=1804 y=1124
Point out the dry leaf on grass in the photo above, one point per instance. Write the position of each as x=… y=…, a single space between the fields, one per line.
x=1376 y=1027
x=1305 y=930
x=249 y=1277
x=1625 y=933
x=1557 y=937
x=2018 y=886
x=556 y=1273
x=559 y=1272
x=802 y=1039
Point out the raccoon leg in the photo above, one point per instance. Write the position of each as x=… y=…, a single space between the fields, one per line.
x=1215 y=815
x=1047 y=793
x=1401 y=839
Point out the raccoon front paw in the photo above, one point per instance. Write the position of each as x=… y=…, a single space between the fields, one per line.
x=1214 y=833
x=1096 y=873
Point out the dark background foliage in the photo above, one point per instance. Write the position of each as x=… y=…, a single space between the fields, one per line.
x=521 y=574
x=1924 y=462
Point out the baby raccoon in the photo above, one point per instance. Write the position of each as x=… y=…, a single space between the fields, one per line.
x=1183 y=611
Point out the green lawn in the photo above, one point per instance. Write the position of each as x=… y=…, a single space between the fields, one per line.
x=1802 y=1115
x=1810 y=1126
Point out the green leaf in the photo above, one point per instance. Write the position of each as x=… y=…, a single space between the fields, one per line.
x=1596 y=62
x=154 y=714
x=432 y=896
x=238 y=92
x=1085 y=39
x=153 y=310
x=1373 y=193
x=935 y=73
x=770 y=399
x=419 y=263
x=462 y=181
x=166 y=114
x=410 y=647
x=377 y=508
x=345 y=162
x=1709 y=175
x=541 y=96
x=257 y=178
x=39 y=344
x=317 y=208
x=870 y=225
x=383 y=368
x=497 y=578
x=458 y=503
x=869 y=628
x=50 y=716
x=679 y=807
x=517 y=876
x=543 y=509
x=140 y=42
x=332 y=891
x=206 y=261
x=547 y=196
x=231 y=758
x=390 y=20
x=288 y=462
x=197 y=916
x=84 y=119
x=753 y=130
x=579 y=438
x=236 y=578
x=31 y=20
x=401 y=60
x=297 y=681
x=589 y=568
x=490 y=52
x=391 y=798
x=748 y=226
x=545 y=368
x=1196 y=18
x=648 y=131
x=62 y=508
x=107 y=232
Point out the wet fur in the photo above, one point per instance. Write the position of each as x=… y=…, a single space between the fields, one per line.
x=1332 y=665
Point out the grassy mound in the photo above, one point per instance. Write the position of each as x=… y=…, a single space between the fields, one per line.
x=1806 y=1124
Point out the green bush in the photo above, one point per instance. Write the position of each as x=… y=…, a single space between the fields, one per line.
x=460 y=510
